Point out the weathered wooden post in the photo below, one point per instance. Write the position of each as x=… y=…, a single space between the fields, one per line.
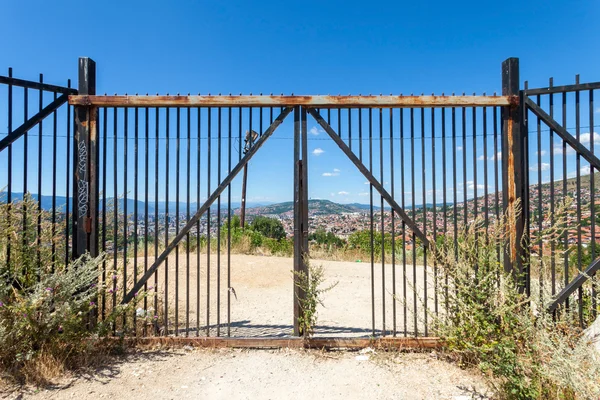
x=85 y=167
x=514 y=175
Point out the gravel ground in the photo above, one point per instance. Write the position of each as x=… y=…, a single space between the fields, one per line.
x=274 y=374
x=263 y=302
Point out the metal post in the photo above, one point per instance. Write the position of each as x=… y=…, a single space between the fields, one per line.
x=85 y=162
x=514 y=174
x=300 y=213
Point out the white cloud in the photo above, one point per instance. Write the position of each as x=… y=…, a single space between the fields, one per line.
x=315 y=130
x=597 y=111
x=363 y=194
x=367 y=183
x=471 y=186
x=318 y=151
x=459 y=148
x=481 y=158
x=335 y=172
x=543 y=167
x=331 y=194
x=585 y=170
x=541 y=153
x=343 y=193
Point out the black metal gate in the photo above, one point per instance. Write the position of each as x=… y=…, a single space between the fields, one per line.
x=433 y=165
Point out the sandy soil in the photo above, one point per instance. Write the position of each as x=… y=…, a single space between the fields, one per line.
x=261 y=297
x=277 y=374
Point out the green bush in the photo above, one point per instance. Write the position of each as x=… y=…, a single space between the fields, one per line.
x=268 y=227
x=490 y=324
x=46 y=308
x=320 y=236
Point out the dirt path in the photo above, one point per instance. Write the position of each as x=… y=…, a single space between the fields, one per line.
x=277 y=374
x=262 y=303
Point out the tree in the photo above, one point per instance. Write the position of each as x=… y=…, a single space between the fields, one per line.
x=269 y=227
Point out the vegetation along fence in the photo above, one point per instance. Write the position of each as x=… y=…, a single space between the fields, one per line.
x=147 y=181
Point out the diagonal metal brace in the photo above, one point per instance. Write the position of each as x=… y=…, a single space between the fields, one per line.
x=574 y=285
x=361 y=167
x=33 y=121
x=563 y=133
x=213 y=197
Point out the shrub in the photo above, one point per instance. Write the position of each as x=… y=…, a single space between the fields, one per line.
x=490 y=324
x=46 y=308
x=268 y=227
x=312 y=286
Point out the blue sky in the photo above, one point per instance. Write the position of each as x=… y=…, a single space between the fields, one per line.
x=324 y=47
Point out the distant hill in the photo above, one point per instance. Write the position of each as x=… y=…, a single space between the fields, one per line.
x=316 y=206
x=61 y=203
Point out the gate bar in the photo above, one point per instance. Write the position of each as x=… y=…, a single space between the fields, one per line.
x=320 y=101
x=192 y=222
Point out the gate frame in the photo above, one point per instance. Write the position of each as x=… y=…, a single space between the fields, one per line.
x=87 y=104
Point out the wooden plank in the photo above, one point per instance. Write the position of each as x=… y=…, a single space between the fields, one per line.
x=397 y=343
x=288 y=101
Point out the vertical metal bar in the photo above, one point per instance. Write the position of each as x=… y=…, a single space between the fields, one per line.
x=464 y=151
x=474 y=129
x=125 y=216
x=115 y=221
x=592 y=201
x=187 y=218
x=350 y=127
x=413 y=239
x=177 y=187
x=578 y=180
x=219 y=220
x=371 y=222
x=496 y=178
x=146 y=201
x=304 y=192
x=513 y=172
x=104 y=159
x=39 y=189
x=135 y=204
x=433 y=179
x=424 y=209
x=229 y=221
x=198 y=243
x=552 y=219
x=360 y=142
x=208 y=146
x=404 y=297
x=156 y=189
x=486 y=203
x=455 y=185
x=392 y=217
x=167 y=218
x=382 y=210
x=9 y=169
x=85 y=152
x=540 y=211
x=54 y=158
x=565 y=194
x=297 y=228
x=445 y=201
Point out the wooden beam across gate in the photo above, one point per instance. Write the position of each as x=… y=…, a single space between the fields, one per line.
x=319 y=101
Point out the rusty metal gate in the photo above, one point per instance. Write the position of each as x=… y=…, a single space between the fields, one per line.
x=433 y=165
